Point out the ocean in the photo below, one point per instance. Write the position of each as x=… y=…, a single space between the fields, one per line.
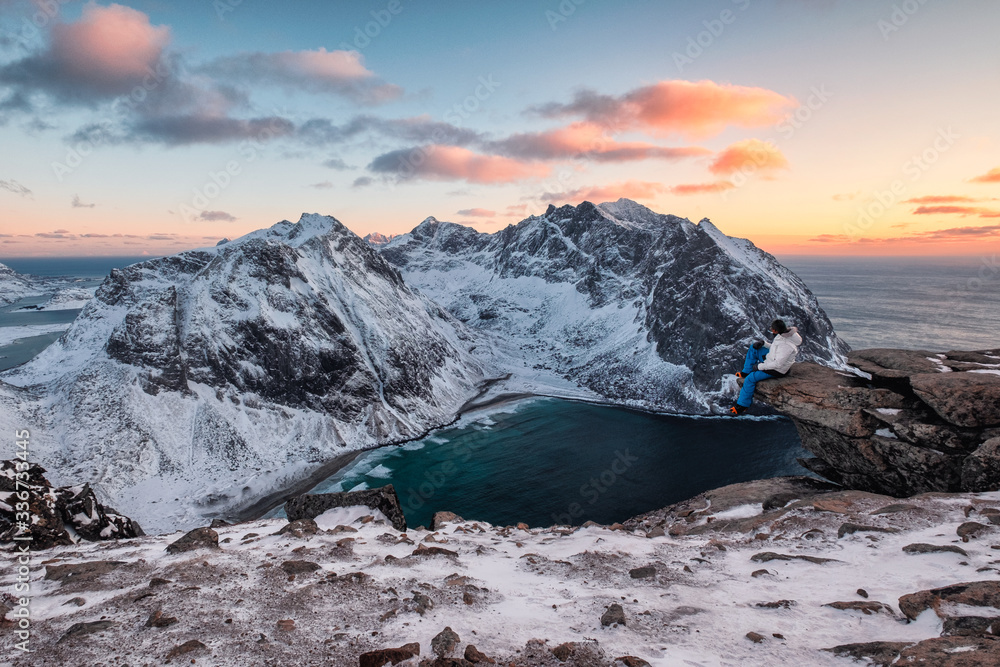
x=938 y=303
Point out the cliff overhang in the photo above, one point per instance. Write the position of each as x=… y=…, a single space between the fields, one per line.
x=905 y=422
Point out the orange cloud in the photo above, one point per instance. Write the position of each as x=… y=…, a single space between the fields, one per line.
x=949 y=235
x=586 y=140
x=454 y=163
x=701 y=188
x=611 y=192
x=959 y=210
x=749 y=155
x=992 y=176
x=693 y=109
x=941 y=199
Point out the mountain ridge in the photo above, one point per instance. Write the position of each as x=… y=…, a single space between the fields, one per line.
x=696 y=298
x=230 y=370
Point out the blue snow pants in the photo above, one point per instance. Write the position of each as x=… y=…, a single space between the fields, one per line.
x=754 y=356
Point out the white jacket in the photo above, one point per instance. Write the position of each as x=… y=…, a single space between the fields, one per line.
x=782 y=351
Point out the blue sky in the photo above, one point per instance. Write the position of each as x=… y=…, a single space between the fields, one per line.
x=785 y=121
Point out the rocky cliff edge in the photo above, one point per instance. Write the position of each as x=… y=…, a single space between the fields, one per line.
x=907 y=422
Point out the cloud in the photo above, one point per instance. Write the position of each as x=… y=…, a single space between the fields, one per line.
x=477 y=212
x=324 y=185
x=191 y=129
x=437 y=162
x=941 y=199
x=106 y=53
x=415 y=130
x=76 y=203
x=362 y=182
x=957 y=210
x=949 y=235
x=848 y=196
x=749 y=155
x=318 y=71
x=516 y=209
x=15 y=187
x=610 y=192
x=992 y=176
x=58 y=234
x=701 y=188
x=961 y=233
x=336 y=163
x=585 y=140
x=693 y=109
x=217 y=216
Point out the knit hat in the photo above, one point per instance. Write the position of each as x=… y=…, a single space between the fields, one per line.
x=779 y=326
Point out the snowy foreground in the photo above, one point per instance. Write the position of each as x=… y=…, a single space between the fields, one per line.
x=358 y=585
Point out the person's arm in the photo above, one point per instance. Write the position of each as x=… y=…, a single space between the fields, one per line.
x=778 y=355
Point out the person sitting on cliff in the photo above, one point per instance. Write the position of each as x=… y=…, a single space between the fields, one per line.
x=763 y=363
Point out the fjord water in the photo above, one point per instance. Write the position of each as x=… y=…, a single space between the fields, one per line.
x=549 y=461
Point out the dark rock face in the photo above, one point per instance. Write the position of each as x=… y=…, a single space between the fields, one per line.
x=685 y=293
x=383 y=499
x=924 y=421
x=52 y=510
x=181 y=330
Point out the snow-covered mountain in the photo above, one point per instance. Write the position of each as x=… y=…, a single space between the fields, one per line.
x=218 y=374
x=13 y=285
x=377 y=240
x=637 y=306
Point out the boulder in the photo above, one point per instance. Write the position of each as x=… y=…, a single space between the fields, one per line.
x=981 y=651
x=878 y=653
x=383 y=499
x=440 y=519
x=981 y=470
x=964 y=399
x=57 y=512
x=613 y=615
x=444 y=642
x=298 y=528
x=389 y=656
x=199 y=538
x=974 y=594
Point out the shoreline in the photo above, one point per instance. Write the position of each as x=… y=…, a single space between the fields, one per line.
x=261 y=506
x=258 y=508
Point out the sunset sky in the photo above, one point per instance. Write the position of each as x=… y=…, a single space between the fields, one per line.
x=808 y=126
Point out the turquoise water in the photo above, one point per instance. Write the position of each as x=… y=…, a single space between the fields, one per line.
x=548 y=461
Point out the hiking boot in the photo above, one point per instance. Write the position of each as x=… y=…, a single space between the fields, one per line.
x=740 y=375
x=737 y=410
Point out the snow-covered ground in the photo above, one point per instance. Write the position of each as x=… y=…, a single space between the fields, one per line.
x=360 y=585
x=69 y=298
x=9 y=335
